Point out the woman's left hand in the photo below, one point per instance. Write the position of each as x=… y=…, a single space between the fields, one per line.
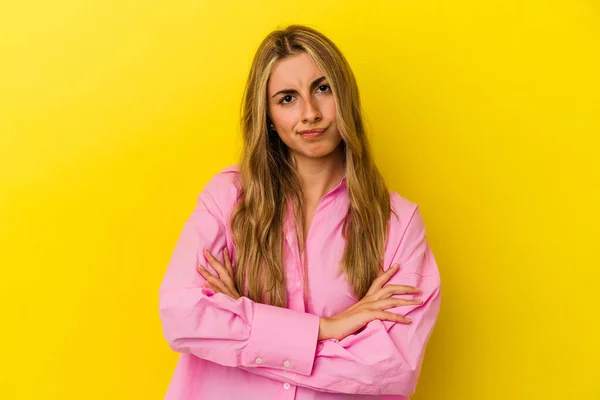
x=224 y=282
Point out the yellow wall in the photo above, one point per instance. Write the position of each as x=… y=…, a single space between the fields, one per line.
x=114 y=114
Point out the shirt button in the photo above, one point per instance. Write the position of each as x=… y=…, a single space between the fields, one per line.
x=258 y=360
x=287 y=364
x=286 y=386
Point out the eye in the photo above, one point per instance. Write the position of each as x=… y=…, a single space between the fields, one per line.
x=286 y=99
x=325 y=88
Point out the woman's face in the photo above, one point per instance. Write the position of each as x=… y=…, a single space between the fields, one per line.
x=300 y=99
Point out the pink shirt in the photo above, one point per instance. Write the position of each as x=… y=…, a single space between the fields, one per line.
x=238 y=349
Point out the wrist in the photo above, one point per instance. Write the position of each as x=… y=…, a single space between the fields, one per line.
x=323 y=329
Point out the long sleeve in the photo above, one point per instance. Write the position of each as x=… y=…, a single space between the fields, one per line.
x=281 y=344
x=385 y=357
x=214 y=327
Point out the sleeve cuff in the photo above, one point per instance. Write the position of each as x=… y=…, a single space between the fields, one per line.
x=282 y=339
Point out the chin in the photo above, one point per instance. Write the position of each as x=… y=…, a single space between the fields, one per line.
x=318 y=152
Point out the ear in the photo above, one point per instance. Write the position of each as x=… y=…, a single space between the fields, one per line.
x=269 y=122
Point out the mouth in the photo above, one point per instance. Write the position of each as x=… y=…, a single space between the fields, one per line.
x=312 y=133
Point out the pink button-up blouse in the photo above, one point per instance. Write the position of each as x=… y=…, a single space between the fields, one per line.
x=243 y=350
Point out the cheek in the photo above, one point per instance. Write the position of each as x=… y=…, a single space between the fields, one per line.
x=328 y=107
x=284 y=119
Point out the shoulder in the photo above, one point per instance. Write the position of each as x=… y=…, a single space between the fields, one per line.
x=407 y=240
x=403 y=210
x=223 y=188
x=406 y=222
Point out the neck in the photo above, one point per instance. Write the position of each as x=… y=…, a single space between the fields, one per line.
x=320 y=175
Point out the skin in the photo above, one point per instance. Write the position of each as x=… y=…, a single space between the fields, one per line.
x=319 y=161
x=309 y=104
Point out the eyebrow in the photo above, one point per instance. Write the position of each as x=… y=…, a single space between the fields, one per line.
x=314 y=84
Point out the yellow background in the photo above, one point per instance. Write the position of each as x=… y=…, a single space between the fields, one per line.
x=114 y=114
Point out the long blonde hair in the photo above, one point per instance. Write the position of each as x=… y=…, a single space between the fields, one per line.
x=269 y=179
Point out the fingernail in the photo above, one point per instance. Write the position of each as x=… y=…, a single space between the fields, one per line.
x=408 y=319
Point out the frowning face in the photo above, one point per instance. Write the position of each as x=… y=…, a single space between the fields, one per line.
x=302 y=107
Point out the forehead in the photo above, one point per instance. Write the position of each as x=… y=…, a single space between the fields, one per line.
x=293 y=71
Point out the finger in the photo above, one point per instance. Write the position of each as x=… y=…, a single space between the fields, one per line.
x=226 y=284
x=217 y=284
x=203 y=271
x=382 y=279
x=228 y=292
x=209 y=286
x=392 y=302
x=227 y=261
x=216 y=290
x=219 y=268
x=390 y=316
x=214 y=281
x=206 y=274
x=389 y=290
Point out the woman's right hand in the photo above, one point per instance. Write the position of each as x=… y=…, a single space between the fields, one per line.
x=369 y=308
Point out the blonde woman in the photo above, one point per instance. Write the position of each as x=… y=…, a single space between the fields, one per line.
x=299 y=275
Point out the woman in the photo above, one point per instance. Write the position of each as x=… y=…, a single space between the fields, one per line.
x=298 y=274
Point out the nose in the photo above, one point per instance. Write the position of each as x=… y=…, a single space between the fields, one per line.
x=311 y=112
